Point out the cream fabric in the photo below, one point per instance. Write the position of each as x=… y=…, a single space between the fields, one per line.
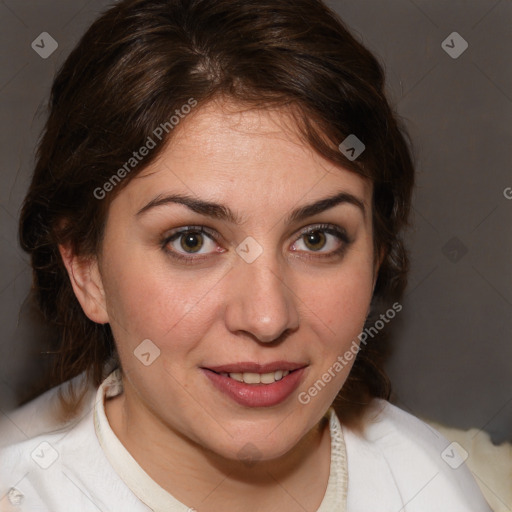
x=397 y=466
x=490 y=464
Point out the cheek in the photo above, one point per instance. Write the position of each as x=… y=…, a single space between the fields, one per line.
x=147 y=300
x=340 y=300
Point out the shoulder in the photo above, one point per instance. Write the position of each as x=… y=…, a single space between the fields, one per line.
x=410 y=462
x=38 y=416
x=490 y=463
x=46 y=465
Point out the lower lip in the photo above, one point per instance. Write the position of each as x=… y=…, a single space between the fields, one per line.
x=257 y=395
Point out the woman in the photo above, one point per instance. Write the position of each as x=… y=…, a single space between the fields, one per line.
x=214 y=225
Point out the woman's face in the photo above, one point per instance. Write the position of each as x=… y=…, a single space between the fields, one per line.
x=246 y=294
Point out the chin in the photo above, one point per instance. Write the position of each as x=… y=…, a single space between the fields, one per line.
x=253 y=445
x=250 y=451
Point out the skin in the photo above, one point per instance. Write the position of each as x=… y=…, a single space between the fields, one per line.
x=288 y=304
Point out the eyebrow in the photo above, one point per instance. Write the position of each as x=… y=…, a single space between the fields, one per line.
x=222 y=212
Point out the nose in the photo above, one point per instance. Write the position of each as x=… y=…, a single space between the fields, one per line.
x=260 y=302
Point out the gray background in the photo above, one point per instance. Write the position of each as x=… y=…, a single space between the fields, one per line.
x=452 y=356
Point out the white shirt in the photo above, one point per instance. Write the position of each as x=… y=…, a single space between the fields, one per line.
x=400 y=465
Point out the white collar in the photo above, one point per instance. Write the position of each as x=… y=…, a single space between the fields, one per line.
x=159 y=500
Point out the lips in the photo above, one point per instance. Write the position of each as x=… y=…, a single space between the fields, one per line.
x=257 y=385
x=250 y=367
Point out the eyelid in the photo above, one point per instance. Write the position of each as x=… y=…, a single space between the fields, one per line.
x=178 y=232
x=212 y=233
x=329 y=228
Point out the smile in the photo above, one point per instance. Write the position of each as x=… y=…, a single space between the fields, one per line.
x=257 y=378
x=253 y=385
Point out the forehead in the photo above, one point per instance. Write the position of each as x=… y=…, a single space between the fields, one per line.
x=223 y=150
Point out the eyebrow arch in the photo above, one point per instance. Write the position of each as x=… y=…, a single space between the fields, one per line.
x=222 y=212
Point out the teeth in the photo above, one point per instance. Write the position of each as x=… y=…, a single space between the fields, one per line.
x=251 y=378
x=257 y=378
x=267 y=378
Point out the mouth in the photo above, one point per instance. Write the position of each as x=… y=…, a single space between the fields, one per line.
x=255 y=385
x=255 y=373
x=256 y=378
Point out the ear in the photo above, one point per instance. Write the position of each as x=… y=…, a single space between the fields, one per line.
x=86 y=281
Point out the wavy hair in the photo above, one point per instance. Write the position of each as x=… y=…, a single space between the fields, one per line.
x=143 y=59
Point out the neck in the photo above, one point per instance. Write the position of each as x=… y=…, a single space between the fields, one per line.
x=295 y=481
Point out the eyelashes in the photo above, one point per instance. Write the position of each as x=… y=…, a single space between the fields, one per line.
x=196 y=238
x=188 y=236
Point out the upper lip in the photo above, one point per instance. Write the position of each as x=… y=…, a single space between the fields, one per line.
x=252 y=367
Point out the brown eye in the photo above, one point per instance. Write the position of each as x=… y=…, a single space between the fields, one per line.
x=325 y=239
x=191 y=241
x=315 y=240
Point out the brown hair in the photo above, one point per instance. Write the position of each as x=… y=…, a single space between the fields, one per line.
x=138 y=63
